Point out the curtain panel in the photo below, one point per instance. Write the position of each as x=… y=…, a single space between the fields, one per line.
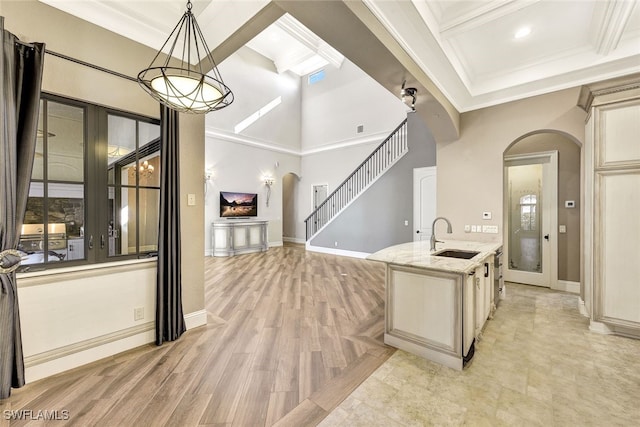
x=169 y=316
x=21 y=68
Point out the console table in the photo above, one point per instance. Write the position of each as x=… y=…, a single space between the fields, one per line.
x=233 y=236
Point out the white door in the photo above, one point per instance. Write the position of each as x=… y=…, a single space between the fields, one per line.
x=531 y=216
x=319 y=194
x=424 y=202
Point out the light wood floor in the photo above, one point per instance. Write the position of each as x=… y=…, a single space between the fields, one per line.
x=290 y=334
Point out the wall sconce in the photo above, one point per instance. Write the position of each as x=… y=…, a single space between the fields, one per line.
x=409 y=91
x=208 y=177
x=268 y=182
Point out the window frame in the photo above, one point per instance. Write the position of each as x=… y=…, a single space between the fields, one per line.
x=96 y=185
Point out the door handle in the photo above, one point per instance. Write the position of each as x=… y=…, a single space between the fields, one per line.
x=102 y=241
x=546 y=237
x=91 y=242
x=417 y=231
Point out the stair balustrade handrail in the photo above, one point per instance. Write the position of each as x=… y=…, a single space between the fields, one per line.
x=398 y=138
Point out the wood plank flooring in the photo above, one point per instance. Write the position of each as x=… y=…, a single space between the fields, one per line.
x=290 y=334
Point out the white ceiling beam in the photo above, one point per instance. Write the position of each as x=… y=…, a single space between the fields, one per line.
x=614 y=19
x=302 y=34
x=288 y=62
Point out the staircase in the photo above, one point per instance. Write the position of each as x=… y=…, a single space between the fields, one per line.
x=388 y=152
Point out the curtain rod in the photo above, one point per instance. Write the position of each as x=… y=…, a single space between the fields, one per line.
x=80 y=62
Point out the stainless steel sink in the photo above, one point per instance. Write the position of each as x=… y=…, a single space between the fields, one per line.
x=455 y=253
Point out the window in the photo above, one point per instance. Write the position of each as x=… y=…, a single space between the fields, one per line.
x=95 y=186
x=133 y=186
x=528 y=212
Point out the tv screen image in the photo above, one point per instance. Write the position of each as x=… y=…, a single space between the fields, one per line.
x=233 y=205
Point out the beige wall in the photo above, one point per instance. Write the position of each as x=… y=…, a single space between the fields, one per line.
x=34 y=21
x=470 y=169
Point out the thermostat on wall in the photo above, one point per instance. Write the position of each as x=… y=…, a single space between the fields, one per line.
x=569 y=204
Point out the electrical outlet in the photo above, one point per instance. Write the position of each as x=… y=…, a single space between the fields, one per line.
x=335 y=244
x=474 y=229
x=467 y=228
x=406 y=223
x=191 y=199
x=138 y=313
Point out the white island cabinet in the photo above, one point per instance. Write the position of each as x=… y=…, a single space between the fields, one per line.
x=436 y=306
x=233 y=237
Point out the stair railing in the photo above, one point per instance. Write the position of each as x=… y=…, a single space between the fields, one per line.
x=391 y=149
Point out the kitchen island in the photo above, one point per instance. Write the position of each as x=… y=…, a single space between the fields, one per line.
x=437 y=302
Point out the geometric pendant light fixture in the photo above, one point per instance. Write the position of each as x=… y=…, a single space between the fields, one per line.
x=176 y=82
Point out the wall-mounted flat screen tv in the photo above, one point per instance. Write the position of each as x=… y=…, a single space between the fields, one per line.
x=234 y=205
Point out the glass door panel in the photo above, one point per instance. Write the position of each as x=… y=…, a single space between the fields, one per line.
x=525 y=231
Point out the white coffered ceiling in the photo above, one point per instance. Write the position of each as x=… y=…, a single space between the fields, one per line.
x=468 y=48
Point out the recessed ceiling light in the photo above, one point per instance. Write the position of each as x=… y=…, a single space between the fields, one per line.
x=522 y=32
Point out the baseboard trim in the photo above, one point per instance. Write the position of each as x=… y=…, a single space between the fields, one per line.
x=195 y=319
x=567 y=286
x=599 y=328
x=294 y=240
x=71 y=356
x=51 y=362
x=582 y=308
x=275 y=244
x=81 y=346
x=340 y=252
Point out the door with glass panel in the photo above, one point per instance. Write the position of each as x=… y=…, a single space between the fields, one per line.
x=530 y=218
x=133 y=186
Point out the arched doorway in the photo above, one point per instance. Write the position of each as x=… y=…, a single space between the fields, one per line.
x=527 y=232
x=290 y=186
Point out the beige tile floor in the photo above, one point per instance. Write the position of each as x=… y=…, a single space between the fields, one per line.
x=536 y=364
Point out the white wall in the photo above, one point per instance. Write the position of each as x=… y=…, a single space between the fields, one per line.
x=312 y=134
x=69 y=319
x=255 y=82
x=240 y=167
x=333 y=108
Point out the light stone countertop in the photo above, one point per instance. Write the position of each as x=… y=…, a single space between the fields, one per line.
x=418 y=254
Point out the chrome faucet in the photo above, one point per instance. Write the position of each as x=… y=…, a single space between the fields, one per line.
x=433 y=232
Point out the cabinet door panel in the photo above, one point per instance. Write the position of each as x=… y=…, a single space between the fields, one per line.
x=221 y=238
x=620 y=245
x=620 y=127
x=426 y=312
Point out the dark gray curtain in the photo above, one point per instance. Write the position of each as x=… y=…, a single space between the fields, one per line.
x=169 y=317
x=21 y=77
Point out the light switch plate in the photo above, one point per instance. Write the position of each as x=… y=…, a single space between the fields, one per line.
x=491 y=229
x=562 y=228
x=191 y=199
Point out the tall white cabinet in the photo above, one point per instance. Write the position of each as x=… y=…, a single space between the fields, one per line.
x=611 y=167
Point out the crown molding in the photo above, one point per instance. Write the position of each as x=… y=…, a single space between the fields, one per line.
x=266 y=145
x=614 y=20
